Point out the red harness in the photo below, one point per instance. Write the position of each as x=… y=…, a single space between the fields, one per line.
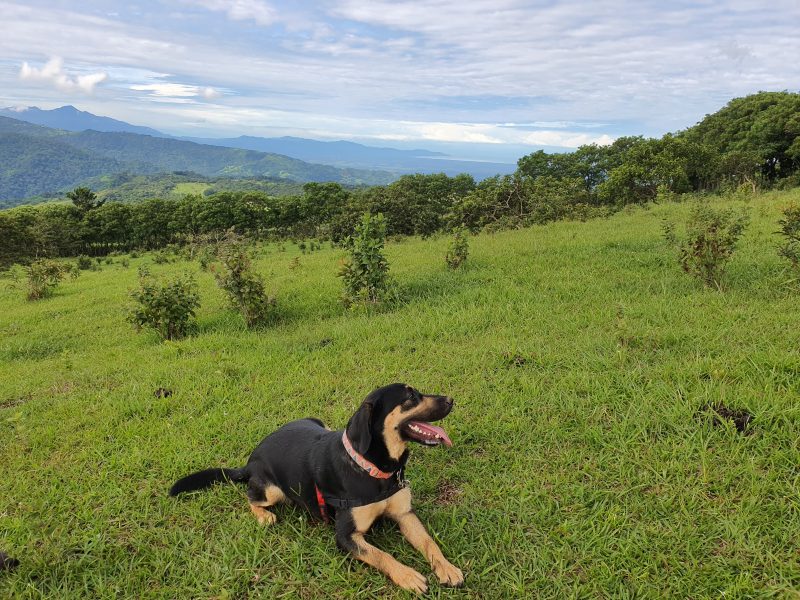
x=371 y=470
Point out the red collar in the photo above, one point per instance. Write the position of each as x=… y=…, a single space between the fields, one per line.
x=363 y=462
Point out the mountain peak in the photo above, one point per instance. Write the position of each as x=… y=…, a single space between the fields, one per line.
x=71 y=118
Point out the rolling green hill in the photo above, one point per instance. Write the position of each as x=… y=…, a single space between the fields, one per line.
x=31 y=165
x=39 y=161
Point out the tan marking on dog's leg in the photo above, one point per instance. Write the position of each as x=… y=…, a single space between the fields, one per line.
x=406 y=577
x=263 y=516
x=414 y=531
x=399 y=509
x=363 y=518
x=272 y=496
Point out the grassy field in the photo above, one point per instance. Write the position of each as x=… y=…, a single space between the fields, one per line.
x=578 y=354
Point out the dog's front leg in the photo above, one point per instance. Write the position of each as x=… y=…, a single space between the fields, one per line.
x=414 y=531
x=350 y=532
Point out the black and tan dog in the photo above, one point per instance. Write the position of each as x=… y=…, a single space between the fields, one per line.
x=352 y=476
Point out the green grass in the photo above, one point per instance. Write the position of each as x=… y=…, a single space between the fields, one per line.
x=183 y=188
x=579 y=468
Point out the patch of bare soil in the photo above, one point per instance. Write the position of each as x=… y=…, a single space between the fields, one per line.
x=721 y=414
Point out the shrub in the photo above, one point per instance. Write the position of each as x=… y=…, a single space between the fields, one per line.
x=244 y=288
x=84 y=262
x=109 y=260
x=43 y=277
x=366 y=272
x=711 y=237
x=458 y=249
x=160 y=257
x=790 y=230
x=166 y=306
x=125 y=262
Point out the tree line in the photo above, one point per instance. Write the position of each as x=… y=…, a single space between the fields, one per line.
x=751 y=143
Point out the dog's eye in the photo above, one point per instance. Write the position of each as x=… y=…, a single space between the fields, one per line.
x=412 y=400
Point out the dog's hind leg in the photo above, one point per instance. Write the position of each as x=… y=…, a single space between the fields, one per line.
x=261 y=496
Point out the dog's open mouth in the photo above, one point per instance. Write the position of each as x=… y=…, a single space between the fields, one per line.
x=425 y=433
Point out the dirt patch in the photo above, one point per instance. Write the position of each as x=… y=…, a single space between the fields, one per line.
x=721 y=415
x=447 y=492
x=7 y=563
x=12 y=402
x=514 y=359
x=162 y=393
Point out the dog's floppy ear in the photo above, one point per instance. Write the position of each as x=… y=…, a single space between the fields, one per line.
x=359 y=428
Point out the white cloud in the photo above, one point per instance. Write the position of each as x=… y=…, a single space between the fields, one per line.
x=176 y=92
x=472 y=70
x=565 y=139
x=53 y=73
x=241 y=10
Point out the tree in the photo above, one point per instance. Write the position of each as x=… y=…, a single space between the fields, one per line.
x=84 y=199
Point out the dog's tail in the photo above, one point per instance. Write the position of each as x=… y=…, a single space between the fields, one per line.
x=203 y=479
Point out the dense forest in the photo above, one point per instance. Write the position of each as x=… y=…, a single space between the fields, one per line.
x=752 y=143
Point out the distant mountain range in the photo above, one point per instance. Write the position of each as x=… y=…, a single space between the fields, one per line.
x=70 y=118
x=36 y=160
x=334 y=153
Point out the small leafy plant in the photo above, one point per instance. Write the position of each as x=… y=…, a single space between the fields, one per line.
x=244 y=288
x=84 y=262
x=43 y=278
x=711 y=238
x=458 y=250
x=167 y=306
x=366 y=272
x=790 y=230
x=160 y=257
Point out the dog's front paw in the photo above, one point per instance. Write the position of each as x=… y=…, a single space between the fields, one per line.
x=408 y=579
x=448 y=574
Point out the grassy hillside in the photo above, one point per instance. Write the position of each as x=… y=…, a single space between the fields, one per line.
x=578 y=355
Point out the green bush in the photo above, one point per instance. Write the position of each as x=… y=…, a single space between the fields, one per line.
x=160 y=257
x=43 y=277
x=711 y=237
x=244 y=288
x=84 y=262
x=168 y=307
x=790 y=230
x=366 y=272
x=458 y=250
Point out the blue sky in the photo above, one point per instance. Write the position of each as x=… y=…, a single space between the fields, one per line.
x=474 y=76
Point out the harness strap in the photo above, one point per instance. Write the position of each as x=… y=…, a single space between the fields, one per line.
x=321 y=503
x=324 y=501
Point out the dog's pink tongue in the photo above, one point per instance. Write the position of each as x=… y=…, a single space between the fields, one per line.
x=433 y=431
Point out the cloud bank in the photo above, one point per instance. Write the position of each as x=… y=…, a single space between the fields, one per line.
x=479 y=71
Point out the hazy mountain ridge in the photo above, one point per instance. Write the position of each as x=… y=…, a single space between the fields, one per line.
x=339 y=153
x=37 y=160
x=70 y=118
